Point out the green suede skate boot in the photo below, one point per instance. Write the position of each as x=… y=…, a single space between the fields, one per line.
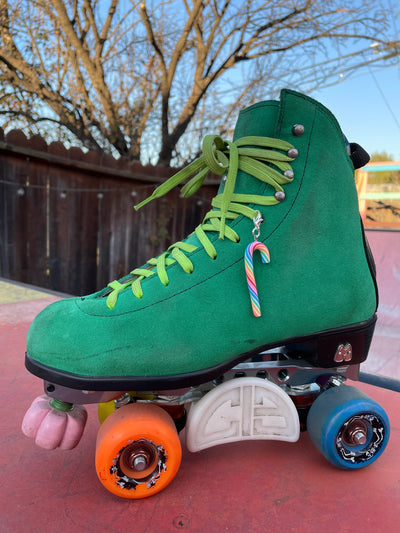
x=280 y=260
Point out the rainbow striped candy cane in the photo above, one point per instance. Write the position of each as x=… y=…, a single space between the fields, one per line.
x=251 y=282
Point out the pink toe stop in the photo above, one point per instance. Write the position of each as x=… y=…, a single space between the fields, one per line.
x=54 y=424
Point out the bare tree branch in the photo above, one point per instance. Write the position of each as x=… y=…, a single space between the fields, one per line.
x=147 y=79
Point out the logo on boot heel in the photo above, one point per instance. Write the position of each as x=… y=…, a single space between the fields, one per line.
x=344 y=353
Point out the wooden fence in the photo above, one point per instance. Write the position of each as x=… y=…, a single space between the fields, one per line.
x=67 y=221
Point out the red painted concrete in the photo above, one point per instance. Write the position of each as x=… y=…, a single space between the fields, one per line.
x=242 y=487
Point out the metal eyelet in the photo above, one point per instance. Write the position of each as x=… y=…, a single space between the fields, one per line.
x=293 y=153
x=297 y=130
x=289 y=174
x=280 y=196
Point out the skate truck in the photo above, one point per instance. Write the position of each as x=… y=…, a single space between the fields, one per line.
x=247 y=329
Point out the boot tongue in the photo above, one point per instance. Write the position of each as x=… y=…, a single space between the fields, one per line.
x=258 y=120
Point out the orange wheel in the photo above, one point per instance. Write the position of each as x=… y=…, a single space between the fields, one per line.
x=138 y=451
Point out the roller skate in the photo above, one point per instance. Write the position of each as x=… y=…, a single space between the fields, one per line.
x=247 y=329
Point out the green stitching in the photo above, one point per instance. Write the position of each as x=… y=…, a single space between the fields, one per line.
x=249 y=154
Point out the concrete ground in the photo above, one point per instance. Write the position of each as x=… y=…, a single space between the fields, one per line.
x=242 y=487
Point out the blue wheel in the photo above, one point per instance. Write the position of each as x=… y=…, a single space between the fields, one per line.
x=348 y=427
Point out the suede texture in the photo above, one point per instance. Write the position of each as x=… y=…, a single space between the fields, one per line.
x=318 y=277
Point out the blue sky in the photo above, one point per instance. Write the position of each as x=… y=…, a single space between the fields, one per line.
x=362 y=111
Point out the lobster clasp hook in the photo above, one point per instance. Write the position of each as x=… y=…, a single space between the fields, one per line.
x=258 y=219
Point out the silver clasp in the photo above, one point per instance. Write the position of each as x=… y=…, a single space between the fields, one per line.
x=257 y=223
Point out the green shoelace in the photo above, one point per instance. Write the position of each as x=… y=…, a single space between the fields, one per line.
x=249 y=154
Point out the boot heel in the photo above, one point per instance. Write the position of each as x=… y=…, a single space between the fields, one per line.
x=343 y=346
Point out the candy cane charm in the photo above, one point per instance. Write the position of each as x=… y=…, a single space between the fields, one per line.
x=251 y=282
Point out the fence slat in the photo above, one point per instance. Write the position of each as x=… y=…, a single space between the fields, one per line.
x=69 y=224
